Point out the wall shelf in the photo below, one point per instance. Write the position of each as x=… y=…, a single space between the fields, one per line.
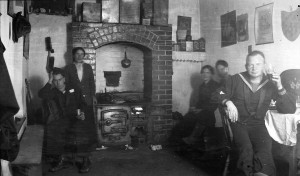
x=184 y=56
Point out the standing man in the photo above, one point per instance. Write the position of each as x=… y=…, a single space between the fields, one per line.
x=247 y=96
x=72 y=124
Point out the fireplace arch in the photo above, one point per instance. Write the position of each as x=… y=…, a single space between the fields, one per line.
x=157 y=40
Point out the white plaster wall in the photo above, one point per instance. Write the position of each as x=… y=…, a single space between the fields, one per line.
x=186 y=75
x=16 y=64
x=186 y=80
x=283 y=54
x=44 y=26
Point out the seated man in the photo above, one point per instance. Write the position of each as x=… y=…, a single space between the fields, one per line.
x=247 y=96
x=205 y=109
x=72 y=126
x=221 y=72
x=221 y=76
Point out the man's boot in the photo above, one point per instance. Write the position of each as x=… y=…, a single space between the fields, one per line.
x=86 y=165
x=61 y=164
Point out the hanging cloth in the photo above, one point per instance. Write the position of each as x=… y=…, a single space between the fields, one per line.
x=9 y=144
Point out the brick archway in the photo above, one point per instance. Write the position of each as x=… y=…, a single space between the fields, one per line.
x=123 y=33
x=158 y=39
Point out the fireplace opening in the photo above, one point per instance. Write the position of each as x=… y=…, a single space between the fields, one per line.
x=135 y=81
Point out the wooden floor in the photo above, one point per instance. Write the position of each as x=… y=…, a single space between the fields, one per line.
x=139 y=162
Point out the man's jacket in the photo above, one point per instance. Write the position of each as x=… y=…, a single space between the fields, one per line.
x=66 y=104
x=238 y=90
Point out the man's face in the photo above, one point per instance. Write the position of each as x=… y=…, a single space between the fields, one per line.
x=206 y=74
x=59 y=81
x=255 y=66
x=78 y=56
x=222 y=71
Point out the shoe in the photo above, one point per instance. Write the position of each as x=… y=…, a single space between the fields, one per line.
x=86 y=165
x=61 y=164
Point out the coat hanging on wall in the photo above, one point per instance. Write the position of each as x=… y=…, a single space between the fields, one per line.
x=9 y=144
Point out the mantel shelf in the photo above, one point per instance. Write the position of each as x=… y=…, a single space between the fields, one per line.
x=184 y=56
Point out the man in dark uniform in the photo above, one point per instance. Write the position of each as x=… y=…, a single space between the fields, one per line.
x=221 y=76
x=222 y=70
x=247 y=96
x=72 y=125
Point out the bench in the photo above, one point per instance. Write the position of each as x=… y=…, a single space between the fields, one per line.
x=30 y=153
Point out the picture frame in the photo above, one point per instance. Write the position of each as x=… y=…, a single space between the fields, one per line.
x=110 y=11
x=228 y=29
x=160 y=12
x=242 y=28
x=130 y=11
x=91 y=12
x=263 y=24
x=184 y=23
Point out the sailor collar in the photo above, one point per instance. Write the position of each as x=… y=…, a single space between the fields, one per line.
x=246 y=79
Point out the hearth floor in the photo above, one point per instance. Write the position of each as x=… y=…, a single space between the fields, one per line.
x=142 y=161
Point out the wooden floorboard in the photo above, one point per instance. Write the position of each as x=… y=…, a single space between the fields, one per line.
x=31 y=146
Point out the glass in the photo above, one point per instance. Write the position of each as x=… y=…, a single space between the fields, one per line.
x=269 y=70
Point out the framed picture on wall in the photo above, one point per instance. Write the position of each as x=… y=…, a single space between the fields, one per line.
x=263 y=25
x=228 y=29
x=184 y=23
x=242 y=28
x=110 y=11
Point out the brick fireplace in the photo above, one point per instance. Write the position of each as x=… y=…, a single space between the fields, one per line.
x=156 y=42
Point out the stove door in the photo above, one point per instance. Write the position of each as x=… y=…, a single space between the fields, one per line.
x=114 y=121
x=113 y=125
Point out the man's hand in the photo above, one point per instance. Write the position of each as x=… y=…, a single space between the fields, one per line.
x=232 y=111
x=81 y=116
x=50 y=77
x=277 y=80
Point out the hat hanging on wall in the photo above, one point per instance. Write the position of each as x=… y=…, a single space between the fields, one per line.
x=125 y=62
x=21 y=26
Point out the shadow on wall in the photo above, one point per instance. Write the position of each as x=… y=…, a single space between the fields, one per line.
x=68 y=54
x=36 y=83
x=195 y=83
